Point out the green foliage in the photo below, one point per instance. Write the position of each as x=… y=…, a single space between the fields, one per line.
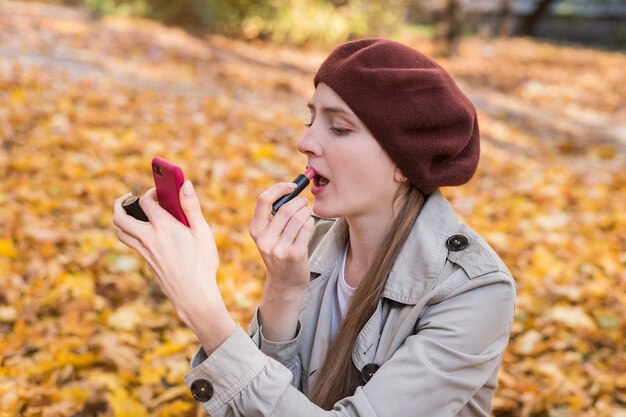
x=124 y=8
x=295 y=22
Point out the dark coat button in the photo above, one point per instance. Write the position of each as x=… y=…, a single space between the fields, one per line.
x=457 y=243
x=368 y=372
x=202 y=390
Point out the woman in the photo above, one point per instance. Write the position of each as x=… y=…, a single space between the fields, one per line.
x=394 y=308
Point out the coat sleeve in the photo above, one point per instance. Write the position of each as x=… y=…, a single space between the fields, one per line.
x=284 y=352
x=458 y=346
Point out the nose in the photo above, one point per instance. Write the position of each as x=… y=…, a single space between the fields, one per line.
x=309 y=144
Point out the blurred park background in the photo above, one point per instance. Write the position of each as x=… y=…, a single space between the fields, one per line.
x=91 y=90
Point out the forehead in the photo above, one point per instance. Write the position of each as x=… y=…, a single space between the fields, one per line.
x=326 y=96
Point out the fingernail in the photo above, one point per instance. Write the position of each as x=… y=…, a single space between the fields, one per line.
x=292 y=185
x=187 y=188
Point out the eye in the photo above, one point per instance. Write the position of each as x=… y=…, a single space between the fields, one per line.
x=339 y=131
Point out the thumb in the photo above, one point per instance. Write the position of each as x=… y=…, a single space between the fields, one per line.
x=191 y=206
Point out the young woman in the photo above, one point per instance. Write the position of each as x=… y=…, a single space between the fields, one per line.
x=380 y=305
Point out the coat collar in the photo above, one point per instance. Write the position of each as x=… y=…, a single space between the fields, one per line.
x=420 y=261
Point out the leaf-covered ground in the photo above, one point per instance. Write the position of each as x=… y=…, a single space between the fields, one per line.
x=85 y=104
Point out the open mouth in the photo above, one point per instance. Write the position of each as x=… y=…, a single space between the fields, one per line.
x=320 y=181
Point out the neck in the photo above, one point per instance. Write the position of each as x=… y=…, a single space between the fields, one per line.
x=366 y=235
x=367 y=231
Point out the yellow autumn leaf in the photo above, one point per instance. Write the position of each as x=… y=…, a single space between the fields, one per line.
x=265 y=151
x=77 y=360
x=169 y=395
x=129 y=316
x=7 y=248
x=17 y=96
x=175 y=409
x=152 y=375
x=75 y=393
x=8 y=314
x=80 y=285
x=109 y=380
x=571 y=316
x=169 y=348
x=124 y=405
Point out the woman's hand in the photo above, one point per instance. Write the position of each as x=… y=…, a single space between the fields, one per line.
x=283 y=241
x=183 y=259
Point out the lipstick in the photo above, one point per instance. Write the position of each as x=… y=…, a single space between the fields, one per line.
x=132 y=207
x=301 y=182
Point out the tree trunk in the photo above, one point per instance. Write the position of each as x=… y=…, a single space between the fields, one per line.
x=453 y=18
x=504 y=26
x=530 y=22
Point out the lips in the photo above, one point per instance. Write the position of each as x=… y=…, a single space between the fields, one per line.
x=319 y=183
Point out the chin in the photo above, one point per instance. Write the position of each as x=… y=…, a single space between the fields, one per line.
x=326 y=212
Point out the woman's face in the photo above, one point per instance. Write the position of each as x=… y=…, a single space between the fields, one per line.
x=355 y=177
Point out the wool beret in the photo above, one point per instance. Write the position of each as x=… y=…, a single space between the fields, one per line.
x=411 y=105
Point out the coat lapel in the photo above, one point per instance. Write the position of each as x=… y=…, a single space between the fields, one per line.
x=321 y=340
x=414 y=273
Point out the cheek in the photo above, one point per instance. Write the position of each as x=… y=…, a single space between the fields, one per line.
x=373 y=168
x=374 y=185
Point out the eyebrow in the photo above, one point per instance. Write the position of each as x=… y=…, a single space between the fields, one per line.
x=327 y=109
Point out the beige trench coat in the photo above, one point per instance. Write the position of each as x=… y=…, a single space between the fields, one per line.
x=435 y=340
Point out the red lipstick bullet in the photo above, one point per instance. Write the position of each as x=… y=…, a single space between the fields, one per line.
x=301 y=182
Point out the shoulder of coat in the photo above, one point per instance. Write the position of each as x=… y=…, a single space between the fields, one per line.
x=477 y=258
x=480 y=264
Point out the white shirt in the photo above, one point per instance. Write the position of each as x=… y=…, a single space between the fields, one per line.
x=343 y=296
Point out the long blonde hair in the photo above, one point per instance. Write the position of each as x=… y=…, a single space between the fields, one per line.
x=338 y=377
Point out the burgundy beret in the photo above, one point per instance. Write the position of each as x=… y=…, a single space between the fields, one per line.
x=411 y=105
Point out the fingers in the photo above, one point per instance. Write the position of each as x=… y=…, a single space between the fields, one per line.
x=278 y=237
x=295 y=232
x=150 y=205
x=121 y=199
x=263 y=209
x=278 y=223
x=126 y=222
x=132 y=243
x=301 y=244
x=191 y=207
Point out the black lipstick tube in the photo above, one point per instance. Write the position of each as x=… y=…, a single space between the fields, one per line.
x=301 y=182
x=132 y=207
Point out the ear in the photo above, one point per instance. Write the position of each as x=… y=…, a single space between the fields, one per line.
x=398 y=176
